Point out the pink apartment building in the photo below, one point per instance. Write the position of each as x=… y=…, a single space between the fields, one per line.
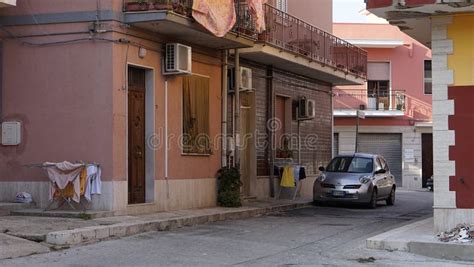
x=396 y=101
x=86 y=80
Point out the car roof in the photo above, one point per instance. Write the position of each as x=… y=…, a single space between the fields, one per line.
x=362 y=155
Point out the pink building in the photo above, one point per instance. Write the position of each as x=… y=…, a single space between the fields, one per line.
x=396 y=101
x=87 y=80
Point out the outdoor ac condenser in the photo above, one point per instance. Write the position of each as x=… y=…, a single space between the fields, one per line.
x=306 y=109
x=178 y=59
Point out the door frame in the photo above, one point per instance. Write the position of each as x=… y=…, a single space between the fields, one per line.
x=251 y=144
x=150 y=163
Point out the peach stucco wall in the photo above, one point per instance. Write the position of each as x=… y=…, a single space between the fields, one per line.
x=317 y=13
x=27 y=7
x=71 y=101
x=62 y=95
x=407 y=69
x=180 y=166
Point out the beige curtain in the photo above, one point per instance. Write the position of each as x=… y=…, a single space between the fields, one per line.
x=196 y=114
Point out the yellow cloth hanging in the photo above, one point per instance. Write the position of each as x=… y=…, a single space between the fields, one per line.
x=288 y=178
x=69 y=190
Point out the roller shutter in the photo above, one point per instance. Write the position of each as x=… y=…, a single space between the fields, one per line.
x=387 y=145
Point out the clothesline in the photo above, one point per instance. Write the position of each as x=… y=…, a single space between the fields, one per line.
x=43 y=165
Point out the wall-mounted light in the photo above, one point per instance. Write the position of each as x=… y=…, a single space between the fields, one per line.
x=142 y=52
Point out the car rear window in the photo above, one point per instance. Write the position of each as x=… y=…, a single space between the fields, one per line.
x=351 y=164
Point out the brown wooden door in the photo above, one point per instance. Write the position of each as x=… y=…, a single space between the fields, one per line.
x=426 y=157
x=136 y=135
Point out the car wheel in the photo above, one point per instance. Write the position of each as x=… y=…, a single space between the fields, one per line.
x=373 y=200
x=391 y=198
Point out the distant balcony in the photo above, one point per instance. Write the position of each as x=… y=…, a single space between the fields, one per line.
x=308 y=50
x=174 y=19
x=391 y=104
x=294 y=35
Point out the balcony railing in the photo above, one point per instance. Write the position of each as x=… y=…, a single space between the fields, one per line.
x=360 y=99
x=292 y=34
x=244 y=24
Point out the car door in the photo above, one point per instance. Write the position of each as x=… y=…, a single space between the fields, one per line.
x=390 y=179
x=379 y=178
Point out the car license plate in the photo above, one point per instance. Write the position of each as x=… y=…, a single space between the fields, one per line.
x=338 y=193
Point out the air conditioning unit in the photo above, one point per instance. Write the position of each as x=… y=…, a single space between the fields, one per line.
x=306 y=109
x=246 y=79
x=178 y=59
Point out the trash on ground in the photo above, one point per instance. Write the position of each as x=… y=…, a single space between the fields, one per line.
x=462 y=233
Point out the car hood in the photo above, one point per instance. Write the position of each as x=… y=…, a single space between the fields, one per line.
x=343 y=178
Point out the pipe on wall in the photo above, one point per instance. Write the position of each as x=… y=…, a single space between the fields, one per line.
x=224 y=108
x=270 y=132
x=237 y=108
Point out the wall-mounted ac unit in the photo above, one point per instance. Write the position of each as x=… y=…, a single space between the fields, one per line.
x=306 y=109
x=246 y=84
x=246 y=79
x=178 y=59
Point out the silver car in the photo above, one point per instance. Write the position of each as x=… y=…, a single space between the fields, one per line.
x=358 y=178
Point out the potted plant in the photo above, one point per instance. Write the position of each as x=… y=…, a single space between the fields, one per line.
x=228 y=194
x=138 y=5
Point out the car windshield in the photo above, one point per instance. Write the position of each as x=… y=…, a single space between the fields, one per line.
x=351 y=164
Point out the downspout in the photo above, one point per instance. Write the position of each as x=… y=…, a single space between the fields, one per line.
x=332 y=124
x=270 y=132
x=166 y=140
x=237 y=108
x=224 y=108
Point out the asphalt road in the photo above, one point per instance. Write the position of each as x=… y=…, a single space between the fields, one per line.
x=316 y=236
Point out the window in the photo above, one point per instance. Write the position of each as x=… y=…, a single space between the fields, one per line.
x=282 y=5
x=196 y=115
x=378 y=85
x=428 y=78
x=351 y=165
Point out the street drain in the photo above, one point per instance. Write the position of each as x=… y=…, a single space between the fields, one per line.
x=366 y=260
x=336 y=224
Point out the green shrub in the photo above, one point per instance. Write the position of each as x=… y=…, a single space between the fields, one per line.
x=228 y=194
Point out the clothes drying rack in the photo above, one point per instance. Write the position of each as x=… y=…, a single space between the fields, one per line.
x=298 y=184
x=62 y=199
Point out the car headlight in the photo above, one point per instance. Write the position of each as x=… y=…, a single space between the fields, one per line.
x=322 y=177
x=365 y=179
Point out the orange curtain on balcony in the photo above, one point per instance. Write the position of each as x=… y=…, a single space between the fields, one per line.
x=256 y=7
x=217 y=16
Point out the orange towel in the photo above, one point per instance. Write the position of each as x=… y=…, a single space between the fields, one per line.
x=69 y=190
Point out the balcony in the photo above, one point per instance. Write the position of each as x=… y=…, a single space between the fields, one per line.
x=173 y=18
x=391 y=104
x=294 y=45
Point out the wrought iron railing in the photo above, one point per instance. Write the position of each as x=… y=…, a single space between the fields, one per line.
x=244 y=24
x=292 y=34
x=361 y=99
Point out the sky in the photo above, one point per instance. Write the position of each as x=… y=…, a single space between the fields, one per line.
x=353 y=11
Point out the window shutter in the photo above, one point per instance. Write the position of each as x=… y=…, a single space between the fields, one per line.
x=378 y=71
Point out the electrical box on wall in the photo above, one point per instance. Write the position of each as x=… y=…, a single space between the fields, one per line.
x=11 y=133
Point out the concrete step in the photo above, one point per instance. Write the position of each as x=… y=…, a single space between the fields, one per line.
x=78 y=214
x=7 y=208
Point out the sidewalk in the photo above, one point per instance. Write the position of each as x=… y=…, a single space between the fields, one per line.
x=419 y=238
x=42 y=233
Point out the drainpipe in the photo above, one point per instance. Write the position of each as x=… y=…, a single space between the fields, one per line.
x=270 y=134
x=237 y=108
x=166 y=141
x=224 y=108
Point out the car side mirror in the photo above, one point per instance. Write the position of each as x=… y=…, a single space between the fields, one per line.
x=321 y=168
x=381 y=171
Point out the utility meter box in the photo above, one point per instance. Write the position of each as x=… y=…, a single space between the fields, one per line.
x=11 y=133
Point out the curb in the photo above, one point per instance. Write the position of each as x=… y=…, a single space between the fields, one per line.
x=405 y=239
x=98 y=233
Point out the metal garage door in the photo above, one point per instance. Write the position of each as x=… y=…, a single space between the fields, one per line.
x=387 y=145
x=335 y=148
